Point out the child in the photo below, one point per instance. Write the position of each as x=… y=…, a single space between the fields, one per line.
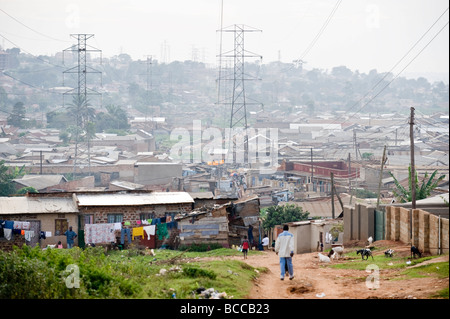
x=245 y=246
x=59 y=245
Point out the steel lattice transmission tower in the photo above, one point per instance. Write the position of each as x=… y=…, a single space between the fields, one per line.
x=81 y=91
x=238 y=77
x=82 y=69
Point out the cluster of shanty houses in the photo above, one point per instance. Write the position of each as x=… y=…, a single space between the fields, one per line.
x=141 y=218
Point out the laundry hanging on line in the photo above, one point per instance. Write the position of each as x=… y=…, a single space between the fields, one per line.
x=99 y=233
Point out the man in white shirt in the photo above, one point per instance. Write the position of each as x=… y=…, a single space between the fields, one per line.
x=284 y=248
x=265 y=242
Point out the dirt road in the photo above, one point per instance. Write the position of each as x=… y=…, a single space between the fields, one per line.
x=314 y=280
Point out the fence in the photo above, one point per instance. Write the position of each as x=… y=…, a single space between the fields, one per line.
x=426 y=231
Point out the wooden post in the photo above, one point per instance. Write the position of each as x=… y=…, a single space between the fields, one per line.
x=413 y=170
x=332 y=195
x=381 y=176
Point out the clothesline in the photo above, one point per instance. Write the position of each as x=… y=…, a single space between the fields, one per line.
x=106 y=233
x=10 y=227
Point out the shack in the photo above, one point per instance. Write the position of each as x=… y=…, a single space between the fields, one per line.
x=208 y=226
x=38 y=219
x=143 y=218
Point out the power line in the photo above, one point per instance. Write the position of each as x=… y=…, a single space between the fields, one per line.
x=371 y=90
x=318 y=35
x=322 y=29
x=34 y=56
x=40 y=33
x=376 y=95
x=28 y=84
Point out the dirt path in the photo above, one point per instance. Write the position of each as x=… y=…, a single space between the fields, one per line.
x=314 y=280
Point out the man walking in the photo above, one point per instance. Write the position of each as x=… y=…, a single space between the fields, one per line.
x=284 y=248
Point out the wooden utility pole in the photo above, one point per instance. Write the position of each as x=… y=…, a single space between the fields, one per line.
x=350 y=178
x=413 y=170
x=332 y=195
x=312 y=170
x=383 y=160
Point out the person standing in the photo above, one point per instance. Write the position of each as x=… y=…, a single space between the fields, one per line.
x=284 y=248
x=265 y=242
x=245 y=247
x=250 y=235
x=70 y=235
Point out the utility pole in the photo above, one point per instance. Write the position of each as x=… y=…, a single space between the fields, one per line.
x=395 y=137
x=312 y=171
x=350 y=178
x=383 y=160
x=413 y=170
x=149 y=87
x=332 y=195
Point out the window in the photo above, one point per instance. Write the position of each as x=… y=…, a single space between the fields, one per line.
x=88 y=219
x=115 y=218
x=61 y=226
x=85 y=219
x=145 y=216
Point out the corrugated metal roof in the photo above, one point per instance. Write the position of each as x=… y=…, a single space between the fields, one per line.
x=119 y=199
x=29 y=205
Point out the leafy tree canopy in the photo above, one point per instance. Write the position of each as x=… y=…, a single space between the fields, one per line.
x=7 y=174
x=277 y=215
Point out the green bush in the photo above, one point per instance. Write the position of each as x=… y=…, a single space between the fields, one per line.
x=194 y=272
x=200 y=247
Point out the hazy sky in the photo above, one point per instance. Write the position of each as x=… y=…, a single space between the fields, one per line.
x=362 y=35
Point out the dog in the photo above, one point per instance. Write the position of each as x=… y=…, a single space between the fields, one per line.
x=415 y=252
x=389 y=253
x=364 y=252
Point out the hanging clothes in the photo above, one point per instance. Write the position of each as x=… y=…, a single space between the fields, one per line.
x=156 y=221
x=171 y=225
x=138 y=231
x=9 y=224
x=99 y=233
x=125 y=232
x=161 y=231
x=7 y=233
x=150 y=230
x=29 y=234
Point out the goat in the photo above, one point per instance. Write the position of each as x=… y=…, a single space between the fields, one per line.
x=364 y=252
x=336 y=252
x=389 y=253
x=370 y=240
x=324 y=259
x=416 y=251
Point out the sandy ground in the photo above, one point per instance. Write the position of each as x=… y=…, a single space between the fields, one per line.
x=314 y=280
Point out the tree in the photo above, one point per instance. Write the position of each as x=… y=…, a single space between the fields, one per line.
x=16 y=118
x=423 y=190
x=7 y=174
x=277 y=215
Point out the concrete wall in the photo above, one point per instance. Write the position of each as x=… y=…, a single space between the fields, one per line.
x=419 y=228
x=359 y=222
x=302 y=236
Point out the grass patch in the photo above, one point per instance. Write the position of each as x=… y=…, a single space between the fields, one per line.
x=439 y=269
x=34 y=273
x=441 y=294
x=381 y=261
